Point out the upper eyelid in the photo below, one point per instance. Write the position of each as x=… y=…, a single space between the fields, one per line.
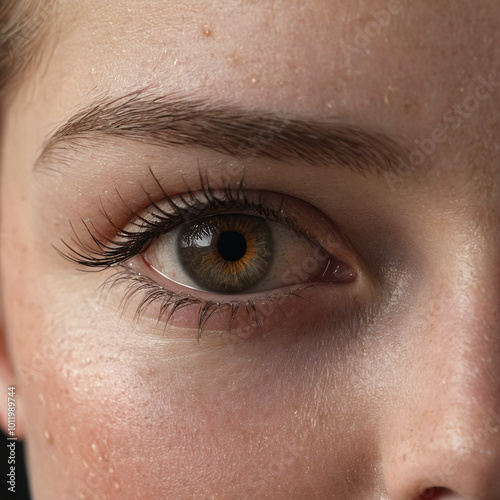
x=102 y=248
x=106 y=251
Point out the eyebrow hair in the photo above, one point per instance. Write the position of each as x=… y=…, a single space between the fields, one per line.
x=173 y=120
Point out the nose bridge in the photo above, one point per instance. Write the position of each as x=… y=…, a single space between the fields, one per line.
x=446 y=438
x=464 y=319
x=468 y=334
x=462 y=372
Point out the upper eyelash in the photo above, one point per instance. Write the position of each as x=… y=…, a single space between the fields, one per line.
x=126 y=244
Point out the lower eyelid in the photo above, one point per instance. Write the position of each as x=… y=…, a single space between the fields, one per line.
x=251 y=316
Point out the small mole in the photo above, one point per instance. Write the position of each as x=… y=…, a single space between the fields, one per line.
x=206 y=30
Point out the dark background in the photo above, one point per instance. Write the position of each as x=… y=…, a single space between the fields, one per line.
x=21 y=479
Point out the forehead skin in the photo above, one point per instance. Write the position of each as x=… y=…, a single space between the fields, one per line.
x=310 y=58
x=303 y=57
x=407 y=76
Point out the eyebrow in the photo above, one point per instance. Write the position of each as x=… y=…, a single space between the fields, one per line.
x=173 y=121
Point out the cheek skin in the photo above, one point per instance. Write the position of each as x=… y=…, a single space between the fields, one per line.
x=150 y=422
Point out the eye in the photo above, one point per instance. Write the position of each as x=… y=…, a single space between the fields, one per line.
x=227 y=259
x=239 y=253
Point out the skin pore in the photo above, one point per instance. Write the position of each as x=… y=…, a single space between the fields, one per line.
x=382 y=387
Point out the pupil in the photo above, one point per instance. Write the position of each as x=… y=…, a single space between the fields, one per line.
x=232 y=246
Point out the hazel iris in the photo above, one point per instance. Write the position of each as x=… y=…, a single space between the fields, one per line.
x=226 y=253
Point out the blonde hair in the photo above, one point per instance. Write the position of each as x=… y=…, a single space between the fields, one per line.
x=23 y=26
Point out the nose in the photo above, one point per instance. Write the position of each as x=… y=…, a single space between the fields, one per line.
x=441 y=434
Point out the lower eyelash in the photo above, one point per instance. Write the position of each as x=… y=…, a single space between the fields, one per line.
x=149 y=292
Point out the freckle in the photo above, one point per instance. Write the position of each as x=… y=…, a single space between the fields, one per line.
x=206 y=30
